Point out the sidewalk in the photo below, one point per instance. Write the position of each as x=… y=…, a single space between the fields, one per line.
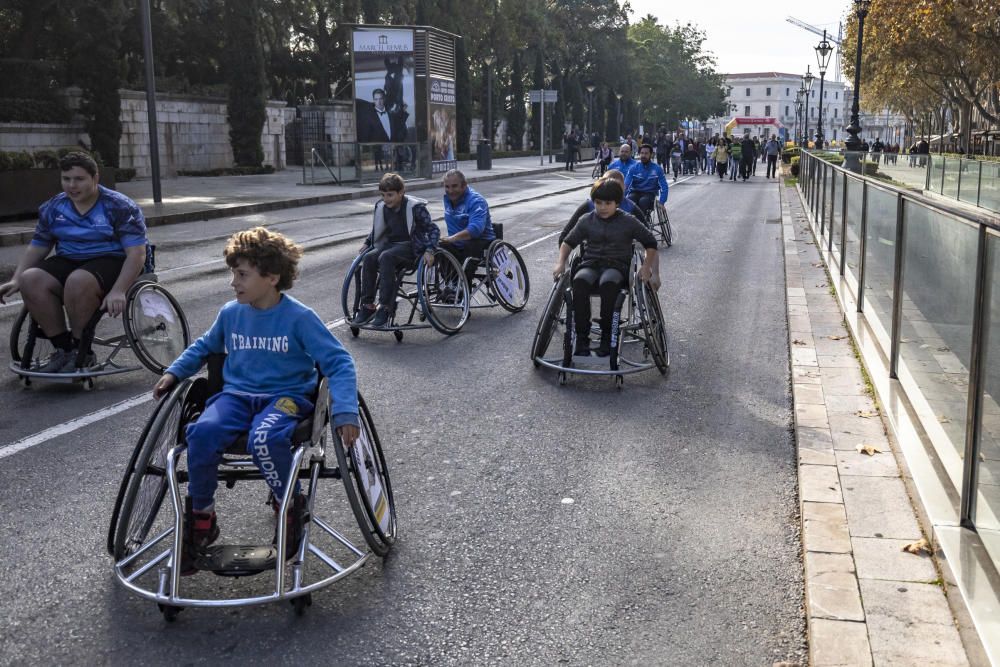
x=868 y=602
x=186 y=199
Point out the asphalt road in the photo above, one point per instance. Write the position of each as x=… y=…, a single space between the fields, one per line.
x=680 y=546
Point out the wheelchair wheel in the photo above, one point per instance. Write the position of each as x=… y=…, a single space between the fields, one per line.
x=596 y=173
x=145 y=483
x=663 y=222
x=155 y=325
x=443 y=293
x=550 y=318
x=508 y=276
x=28 y=346
x=350 y=293
x=366 y=479
x=653 y=327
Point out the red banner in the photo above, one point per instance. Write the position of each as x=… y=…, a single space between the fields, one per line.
x=756 y=121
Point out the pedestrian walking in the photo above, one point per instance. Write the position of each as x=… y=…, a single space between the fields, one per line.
x=771 y=152
x=721 y=158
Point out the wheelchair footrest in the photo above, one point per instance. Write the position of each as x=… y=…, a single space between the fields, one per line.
x=238 y=560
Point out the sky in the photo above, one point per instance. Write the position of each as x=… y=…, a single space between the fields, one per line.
x=748 y=36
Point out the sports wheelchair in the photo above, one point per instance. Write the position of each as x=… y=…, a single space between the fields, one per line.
x=156 y=332
x=439 y=296
x=657 y=222
x=145 y=540
x=637 y=321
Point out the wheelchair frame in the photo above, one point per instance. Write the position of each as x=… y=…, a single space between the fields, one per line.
x=496 y=282
x=24 y=358
x=159 y=578
x=642 y=323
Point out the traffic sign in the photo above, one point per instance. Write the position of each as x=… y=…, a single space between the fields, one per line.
x=536 y=96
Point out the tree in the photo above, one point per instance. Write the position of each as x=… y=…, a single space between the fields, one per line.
x=517 y=115
x=98 y=71
x=245 y=72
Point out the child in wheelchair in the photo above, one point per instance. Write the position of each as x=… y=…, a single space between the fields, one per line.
x=608 y=233
x=586 y=207
x=273 y=345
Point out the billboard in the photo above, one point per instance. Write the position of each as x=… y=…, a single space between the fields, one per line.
x=384 y=94
x=441 y=112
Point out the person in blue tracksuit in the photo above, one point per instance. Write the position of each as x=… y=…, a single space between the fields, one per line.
x=645 y=180
x=467 y=216
x=273 y=344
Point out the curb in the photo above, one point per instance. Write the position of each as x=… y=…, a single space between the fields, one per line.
x=21 y=237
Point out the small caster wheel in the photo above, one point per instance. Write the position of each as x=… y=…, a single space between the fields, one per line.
x=619 y=381
x=300 y=603
x=169 y=612
x=398 y=335
x=562 y=379
x=88 y=384
x=355 y=331
x=535 y=362
x=26 y=382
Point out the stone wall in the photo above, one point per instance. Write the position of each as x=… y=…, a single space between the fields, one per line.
x=193 y=133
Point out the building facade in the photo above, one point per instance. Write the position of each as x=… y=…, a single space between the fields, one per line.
x=764 y=103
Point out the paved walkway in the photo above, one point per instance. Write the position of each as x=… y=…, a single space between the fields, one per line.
x=868 y=602
x=201 y=198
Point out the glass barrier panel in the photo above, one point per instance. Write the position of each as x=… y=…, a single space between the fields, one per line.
x=989 y=188
x=855 y=192
x=937 y=170
x=880 y=260
x=968 y=188
x=939 y=276
x=952 y=167
x=833 y=192
x=988 y=488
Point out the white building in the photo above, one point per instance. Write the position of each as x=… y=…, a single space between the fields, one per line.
x=764 y=103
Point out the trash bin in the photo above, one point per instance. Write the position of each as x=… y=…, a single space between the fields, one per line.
x=484 y=155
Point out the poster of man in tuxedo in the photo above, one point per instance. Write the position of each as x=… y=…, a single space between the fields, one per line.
x=384 y=97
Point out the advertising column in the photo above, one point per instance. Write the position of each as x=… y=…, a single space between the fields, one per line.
x=441 y=108
x=384 y=97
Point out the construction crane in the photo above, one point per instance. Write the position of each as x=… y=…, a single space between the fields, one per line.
x=817 y=31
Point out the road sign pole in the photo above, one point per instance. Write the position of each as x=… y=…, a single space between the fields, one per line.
x=541 y=132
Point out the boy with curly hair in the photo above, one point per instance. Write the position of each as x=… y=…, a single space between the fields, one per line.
x=273 y=344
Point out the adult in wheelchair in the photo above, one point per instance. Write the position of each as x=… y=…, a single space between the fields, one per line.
x=102 y=264
x=612 y=266
x=150 y=534
x=646 y=186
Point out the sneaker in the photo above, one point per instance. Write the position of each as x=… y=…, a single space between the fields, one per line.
x=71 y=367
x=604 y=347
x=582 y=347
x=381 y=318
x=298 y=517
x=200 y=530
x=58 y=360
x=364 y=314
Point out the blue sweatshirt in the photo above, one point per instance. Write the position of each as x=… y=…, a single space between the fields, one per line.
x=112 y=224
x=647 y=178
x=274 y=352
x=470 y=212
x=623 y=167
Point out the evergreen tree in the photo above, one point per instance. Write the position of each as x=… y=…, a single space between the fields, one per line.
x=98 y=71
x=245 y=72
x=537 y=83
x=463 y=101
x=517 y=114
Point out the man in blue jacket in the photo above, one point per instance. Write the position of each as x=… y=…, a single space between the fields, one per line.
x=645 y=180
x=625 y=160
x=467 y=215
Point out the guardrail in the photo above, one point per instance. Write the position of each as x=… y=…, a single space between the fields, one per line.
x=975 y=182
x=339 y=162
x=926 y=280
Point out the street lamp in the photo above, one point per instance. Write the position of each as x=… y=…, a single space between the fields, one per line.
x=618 y=114
x=823 y=52
x=807 y=84
x=489 y=96
x=853 y=142
x=590 y=106
x=799 y=96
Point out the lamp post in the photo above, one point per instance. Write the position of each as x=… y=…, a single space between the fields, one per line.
x=489 y=97
x=823 y=52
x=618 y=114
x=807 y=84
x=590 y=107
x=853 y=142
x=799 y=94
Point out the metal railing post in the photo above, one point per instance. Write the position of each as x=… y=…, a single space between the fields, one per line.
x=897 y=289
x=843 y=226
x=862 y=246
x=927 y=174
x=979 y=182
x=944 y=172
x=958 y=192
x=973 y=413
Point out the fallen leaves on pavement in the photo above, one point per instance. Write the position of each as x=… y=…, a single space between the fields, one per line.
x=918 y=547
x=836 y=337
x=798 y=342
x=867 y=414
x=870 y=450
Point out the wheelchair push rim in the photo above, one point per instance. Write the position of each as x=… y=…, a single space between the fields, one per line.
x=443 y=292
x=550 y=317
x=508 y=276
x=155 y=326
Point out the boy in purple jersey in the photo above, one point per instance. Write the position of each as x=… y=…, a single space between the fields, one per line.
x=273 y=344
x=99 y=237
